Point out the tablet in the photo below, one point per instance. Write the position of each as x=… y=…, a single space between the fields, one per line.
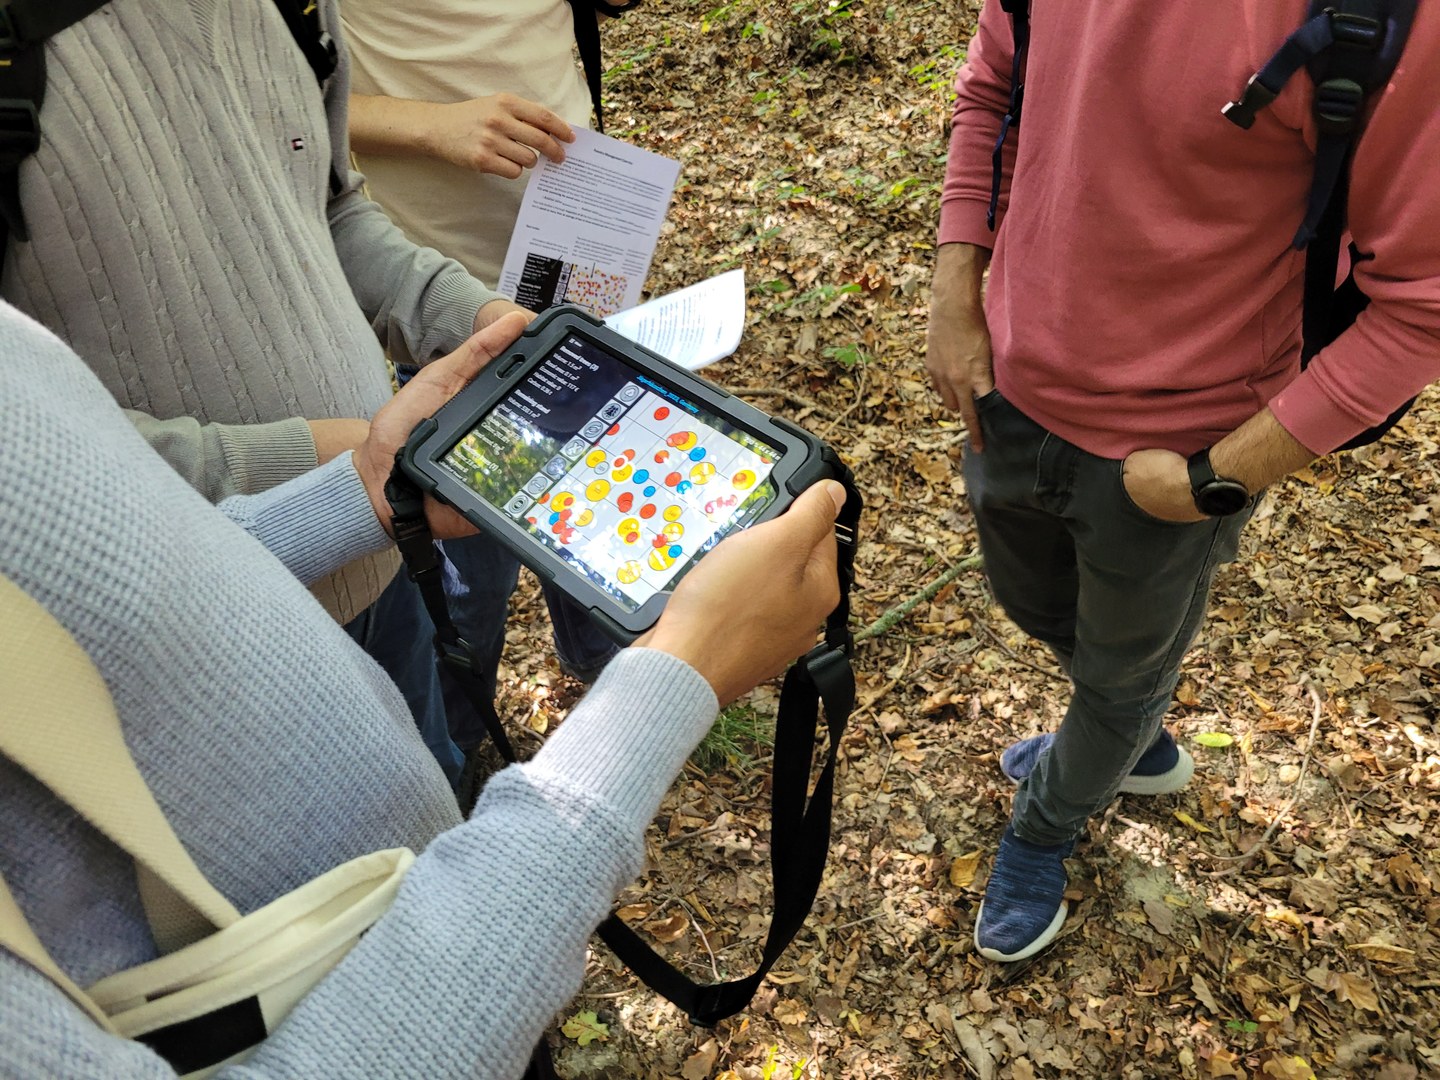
x=605 y=468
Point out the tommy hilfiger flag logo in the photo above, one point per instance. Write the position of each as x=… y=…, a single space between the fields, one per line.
x=297 y=143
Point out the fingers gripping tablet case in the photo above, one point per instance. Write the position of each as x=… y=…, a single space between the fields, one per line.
x=605 y=468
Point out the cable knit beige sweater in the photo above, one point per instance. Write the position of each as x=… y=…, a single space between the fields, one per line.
x=185 y=242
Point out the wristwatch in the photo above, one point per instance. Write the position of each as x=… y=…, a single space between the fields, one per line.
x=1217 y=496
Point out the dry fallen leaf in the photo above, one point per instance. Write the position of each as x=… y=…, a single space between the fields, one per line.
x=585 y=1028
x=1288 y=1067
x=1201 y=989
x=670 y=929
x=1214 y=739
x=698 y=1065
x=1185 y=819
x=962 y=870
x=1357 y=990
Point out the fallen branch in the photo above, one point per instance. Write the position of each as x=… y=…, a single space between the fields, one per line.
x=886 y=621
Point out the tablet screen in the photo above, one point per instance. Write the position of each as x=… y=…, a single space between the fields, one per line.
x=626 y=479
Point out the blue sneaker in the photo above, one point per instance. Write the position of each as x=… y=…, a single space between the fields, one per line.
x=1164 y=768
x=1024 y=906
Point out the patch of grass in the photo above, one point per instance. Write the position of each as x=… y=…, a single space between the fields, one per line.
x=739 y=735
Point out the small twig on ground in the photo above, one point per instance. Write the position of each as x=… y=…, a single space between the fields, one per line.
x=780 y=391
x=1054 y=673
x=886 y=621
x=856 y=922
x=714 y=966
x=1241 y=860
x=869 y=702
x=860 y=384
x=686 y=837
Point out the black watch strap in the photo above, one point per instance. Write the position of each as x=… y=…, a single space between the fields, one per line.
x=1217 y=496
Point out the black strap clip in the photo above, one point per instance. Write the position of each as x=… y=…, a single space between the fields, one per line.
x=456 y=653
x=9 y=37
x=19 y=129
x=828 y=662
x=1337 y=106
x=1355 y=31
x=1255 y=97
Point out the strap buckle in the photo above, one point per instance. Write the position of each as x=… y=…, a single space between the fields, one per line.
x=1255 y=97
x=19 y=128
x=824 y=659
x=9 y=36
x=1337 y=106
x=331 y=53
x=1355 y=31
x=456 y=653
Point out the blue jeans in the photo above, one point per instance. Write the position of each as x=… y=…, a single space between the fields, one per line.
x=480 y=574
x=397 y=632
x=1118 y=596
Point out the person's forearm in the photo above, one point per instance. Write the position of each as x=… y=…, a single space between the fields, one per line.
x=387 y=125
x=1259 y=452
x=334 y=437
x=500 y=909
x=960 y=275
x=421 y=304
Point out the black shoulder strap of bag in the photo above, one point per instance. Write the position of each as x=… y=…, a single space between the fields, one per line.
x=1350 y=49
x=25 y=26
x=800 y=827
x=1019 y=12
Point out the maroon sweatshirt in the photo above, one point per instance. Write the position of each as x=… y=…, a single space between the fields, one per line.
x=1143 y=291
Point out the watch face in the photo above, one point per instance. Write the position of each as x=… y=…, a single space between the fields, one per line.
x=1220 y=498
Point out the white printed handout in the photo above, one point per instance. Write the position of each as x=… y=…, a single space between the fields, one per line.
x=694 y=326
x=587 y=227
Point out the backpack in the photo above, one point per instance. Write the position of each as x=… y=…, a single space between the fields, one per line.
x=1349 y=49
x=25 y=26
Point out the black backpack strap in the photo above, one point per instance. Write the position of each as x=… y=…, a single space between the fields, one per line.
x=800 y=828
x=303 y=19
x=1019 y=12
x=422 y=563
x=587 y=39
x=1350 y=48
x=25 y=25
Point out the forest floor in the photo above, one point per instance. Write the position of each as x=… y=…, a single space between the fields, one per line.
x=811 y=134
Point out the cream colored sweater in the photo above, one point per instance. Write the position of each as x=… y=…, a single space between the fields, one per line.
x=187 y=245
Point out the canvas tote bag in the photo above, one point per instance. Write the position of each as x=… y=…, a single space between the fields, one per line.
x=225 y=980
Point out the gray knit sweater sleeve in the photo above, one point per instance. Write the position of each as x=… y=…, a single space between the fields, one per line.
x=421 y=304
x=220 y=460
x=278 y=750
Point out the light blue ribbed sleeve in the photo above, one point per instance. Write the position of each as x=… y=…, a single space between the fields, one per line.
x=315 y=523
x=278 y=750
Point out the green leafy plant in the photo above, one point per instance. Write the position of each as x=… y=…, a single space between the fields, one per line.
x=847 y=356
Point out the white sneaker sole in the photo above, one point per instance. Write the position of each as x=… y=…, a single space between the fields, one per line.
x=1172 y=780
x=1166 y=783
x=1045 y=938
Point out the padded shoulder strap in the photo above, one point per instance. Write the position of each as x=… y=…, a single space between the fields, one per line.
x=16 y=937
x=62 y=729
